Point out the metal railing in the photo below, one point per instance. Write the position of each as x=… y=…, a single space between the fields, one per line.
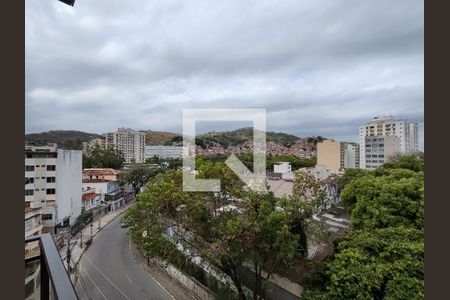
x=53 y=282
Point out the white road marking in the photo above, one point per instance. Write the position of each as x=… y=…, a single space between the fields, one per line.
x=106 y=277
x=151 y=277
x=90 y=278
x=171 y=296
x=128 y=278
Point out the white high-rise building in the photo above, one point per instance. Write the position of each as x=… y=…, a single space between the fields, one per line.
x=53 y=183
x=408 y=134
x=130 y=142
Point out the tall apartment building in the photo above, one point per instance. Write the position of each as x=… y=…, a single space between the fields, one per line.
x=378 y=149
x=130 y=142
x=337 y=156
x=407 y=132
x=53 y=183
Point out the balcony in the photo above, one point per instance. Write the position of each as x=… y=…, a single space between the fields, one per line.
x=45 y=275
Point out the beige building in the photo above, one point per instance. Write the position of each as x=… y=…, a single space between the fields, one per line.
x=337 y=156
x=378 y=150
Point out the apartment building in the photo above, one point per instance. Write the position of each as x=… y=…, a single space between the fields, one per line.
x=378 y=149
x=53 y=183
x=130 y=142
x=163 y=151
x=408 y=134
x=337 y=156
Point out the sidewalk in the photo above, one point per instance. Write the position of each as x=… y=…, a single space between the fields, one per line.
x=97 y=226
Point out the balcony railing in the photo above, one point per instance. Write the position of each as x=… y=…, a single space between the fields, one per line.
x=50 y=279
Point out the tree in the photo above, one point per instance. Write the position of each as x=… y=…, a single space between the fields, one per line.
x=103 y=158
x=382 y=255
x=258 y=231
x=266 y=238
x=349 y=176
x=138 y=176
x=393 y=199
x=385 y=263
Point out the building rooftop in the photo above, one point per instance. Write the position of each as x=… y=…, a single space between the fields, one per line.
x=89 y=196
x=100 y=171
x=96 y=180
x=281 y=188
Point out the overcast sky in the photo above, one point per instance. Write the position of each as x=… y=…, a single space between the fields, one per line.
x=317 y=67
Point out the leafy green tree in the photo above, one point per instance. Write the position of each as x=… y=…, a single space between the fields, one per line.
x=103 y=158
x=410 y=162
x=258 y=232
x=138 y=176
x=349 y=176
x=382 y=255
x=384 y=263
x=394 y=199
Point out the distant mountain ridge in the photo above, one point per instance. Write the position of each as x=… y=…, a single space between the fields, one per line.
x=225 y=138
x=59 y=137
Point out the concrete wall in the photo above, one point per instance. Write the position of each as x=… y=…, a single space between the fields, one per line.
x=329 y=154
x=68 y=184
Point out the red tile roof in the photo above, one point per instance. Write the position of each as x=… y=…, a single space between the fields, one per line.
x=100 y=171
x=96 y=180
x=88 y=197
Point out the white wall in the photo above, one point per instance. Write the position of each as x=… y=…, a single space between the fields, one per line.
x=68 y=184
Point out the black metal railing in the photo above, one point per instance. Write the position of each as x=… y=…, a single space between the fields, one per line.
x=52 y=282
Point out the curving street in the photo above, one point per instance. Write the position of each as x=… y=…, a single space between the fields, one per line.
x=108 y=270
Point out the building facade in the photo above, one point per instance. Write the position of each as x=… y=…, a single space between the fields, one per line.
x=163 y=151
x=378 y=149
x=128 y=141
x=408 y=134
x=101 y=173
x=337 y=156
x=53 y=183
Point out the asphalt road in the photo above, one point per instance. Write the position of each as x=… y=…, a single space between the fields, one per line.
x=108 y=270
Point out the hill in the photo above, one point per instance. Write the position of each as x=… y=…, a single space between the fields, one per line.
x=242 y=135
x=59 y=136
x=159 y=137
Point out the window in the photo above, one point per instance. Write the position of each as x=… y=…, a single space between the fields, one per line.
x=29 y=168
x=51 y=191
x=29 y=155
x=29 y=180
x=47 y=216
x=51 y=179
x=51 y=168
x=29 y=192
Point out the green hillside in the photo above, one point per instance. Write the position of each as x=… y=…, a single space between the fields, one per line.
x=239 y=136
x=59 y=137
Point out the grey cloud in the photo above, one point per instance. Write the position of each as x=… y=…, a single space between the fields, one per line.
x=318 y=67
